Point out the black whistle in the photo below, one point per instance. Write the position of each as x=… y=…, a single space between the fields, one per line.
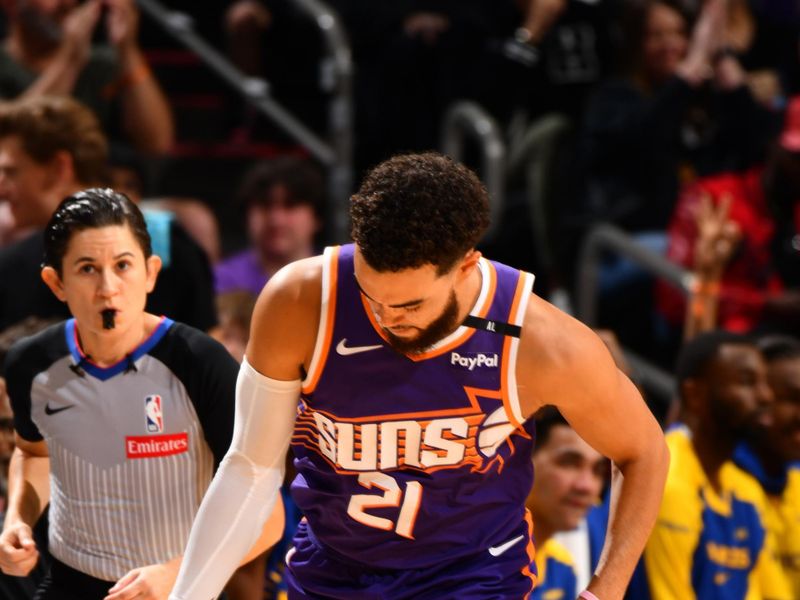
x=108 y=318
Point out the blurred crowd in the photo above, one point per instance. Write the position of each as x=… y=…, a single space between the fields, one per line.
x=677 y=121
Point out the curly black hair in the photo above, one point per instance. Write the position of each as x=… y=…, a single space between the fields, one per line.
x=418 y=209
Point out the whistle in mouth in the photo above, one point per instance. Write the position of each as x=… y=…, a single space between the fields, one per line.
x=108 y=318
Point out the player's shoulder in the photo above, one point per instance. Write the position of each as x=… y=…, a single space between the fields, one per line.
x=305 y=271
x=551 y=337
x=298 y=285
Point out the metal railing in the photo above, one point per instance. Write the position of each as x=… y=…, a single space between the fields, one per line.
x=467 y=118
x=534 y=151
x=600 y=240
x=604 y=238
x=336 y=74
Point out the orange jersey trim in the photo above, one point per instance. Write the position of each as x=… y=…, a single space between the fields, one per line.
x=330 y=317
x=526 y=570
x=507 y=366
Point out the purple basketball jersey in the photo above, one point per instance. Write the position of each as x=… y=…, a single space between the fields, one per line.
x=411 y=461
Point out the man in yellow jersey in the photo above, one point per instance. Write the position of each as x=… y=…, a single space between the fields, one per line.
x=710 y=539
x=774 y=456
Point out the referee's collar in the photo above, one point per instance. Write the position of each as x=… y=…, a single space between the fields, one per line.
x=103 y=373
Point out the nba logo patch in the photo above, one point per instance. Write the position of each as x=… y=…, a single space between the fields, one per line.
x=154 y=418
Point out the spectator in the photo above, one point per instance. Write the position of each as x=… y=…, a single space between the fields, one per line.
x=773 y=457
x=763 y=36
x=127 y=174
x=772 y=452
x=710 y=539
x=283 y=201
x=413 y=58
x=51 y=147
x=261 y=38
x=570 y=476
x=680 y=103
x=543 y=56
x=234 y=310
x=758 y=211
x=49 y=51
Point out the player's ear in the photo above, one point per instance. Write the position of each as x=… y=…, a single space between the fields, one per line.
x=153 y=264
x=53 y=281
x=468 y=263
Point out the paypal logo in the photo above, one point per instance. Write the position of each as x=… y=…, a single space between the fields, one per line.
x=480 y=359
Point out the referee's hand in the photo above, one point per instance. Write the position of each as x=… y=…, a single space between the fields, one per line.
x=18 y=553
x=153 y=582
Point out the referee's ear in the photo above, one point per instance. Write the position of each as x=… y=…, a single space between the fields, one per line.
x=153 y=265
x=53 y=281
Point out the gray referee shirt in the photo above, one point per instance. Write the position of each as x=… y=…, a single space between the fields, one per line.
x=132 y=447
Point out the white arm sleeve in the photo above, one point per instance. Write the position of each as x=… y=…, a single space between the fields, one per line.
x=245 y=488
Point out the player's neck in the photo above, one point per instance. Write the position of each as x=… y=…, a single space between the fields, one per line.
x=110 y=347
x=713 y=449
x=467 y=293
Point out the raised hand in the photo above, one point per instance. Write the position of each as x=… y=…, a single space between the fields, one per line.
x=79 y=26
x=717 y=236
x=122 y=24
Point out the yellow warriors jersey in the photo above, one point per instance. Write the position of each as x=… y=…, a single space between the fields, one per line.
x=711 y=544
x=556 y=571
x=783 y=494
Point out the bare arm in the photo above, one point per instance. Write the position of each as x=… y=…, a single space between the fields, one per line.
x=247 y=484
x=564 y=363
x=28 y=494
x=61 y=73
x=146 y=115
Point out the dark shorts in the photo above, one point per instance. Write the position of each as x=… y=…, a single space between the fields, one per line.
x=313 y=573
x=65 y=583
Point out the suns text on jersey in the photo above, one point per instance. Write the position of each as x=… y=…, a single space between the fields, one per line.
x=431 y=444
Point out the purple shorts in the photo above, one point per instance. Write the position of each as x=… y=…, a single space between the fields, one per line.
x=312 y=572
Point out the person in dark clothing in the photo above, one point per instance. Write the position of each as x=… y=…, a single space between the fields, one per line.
x=681 y=104
x=49 y=149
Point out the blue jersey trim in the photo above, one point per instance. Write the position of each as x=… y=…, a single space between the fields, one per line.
x=106 y=373
x=746 y=458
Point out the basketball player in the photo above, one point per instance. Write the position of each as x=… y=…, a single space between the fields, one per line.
x=125 y=411
x=417 y=364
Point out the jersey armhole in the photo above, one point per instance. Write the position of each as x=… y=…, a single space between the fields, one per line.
x=327 y=316
x=510 y=348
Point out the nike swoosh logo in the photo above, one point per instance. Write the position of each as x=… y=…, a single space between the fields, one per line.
x=344 y=350
x=51 y=411
x=498 y=550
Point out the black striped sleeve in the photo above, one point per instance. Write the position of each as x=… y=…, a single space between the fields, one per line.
x=25 y=360
x=208 y=372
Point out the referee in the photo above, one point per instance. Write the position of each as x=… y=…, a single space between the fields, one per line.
x=121 y=416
